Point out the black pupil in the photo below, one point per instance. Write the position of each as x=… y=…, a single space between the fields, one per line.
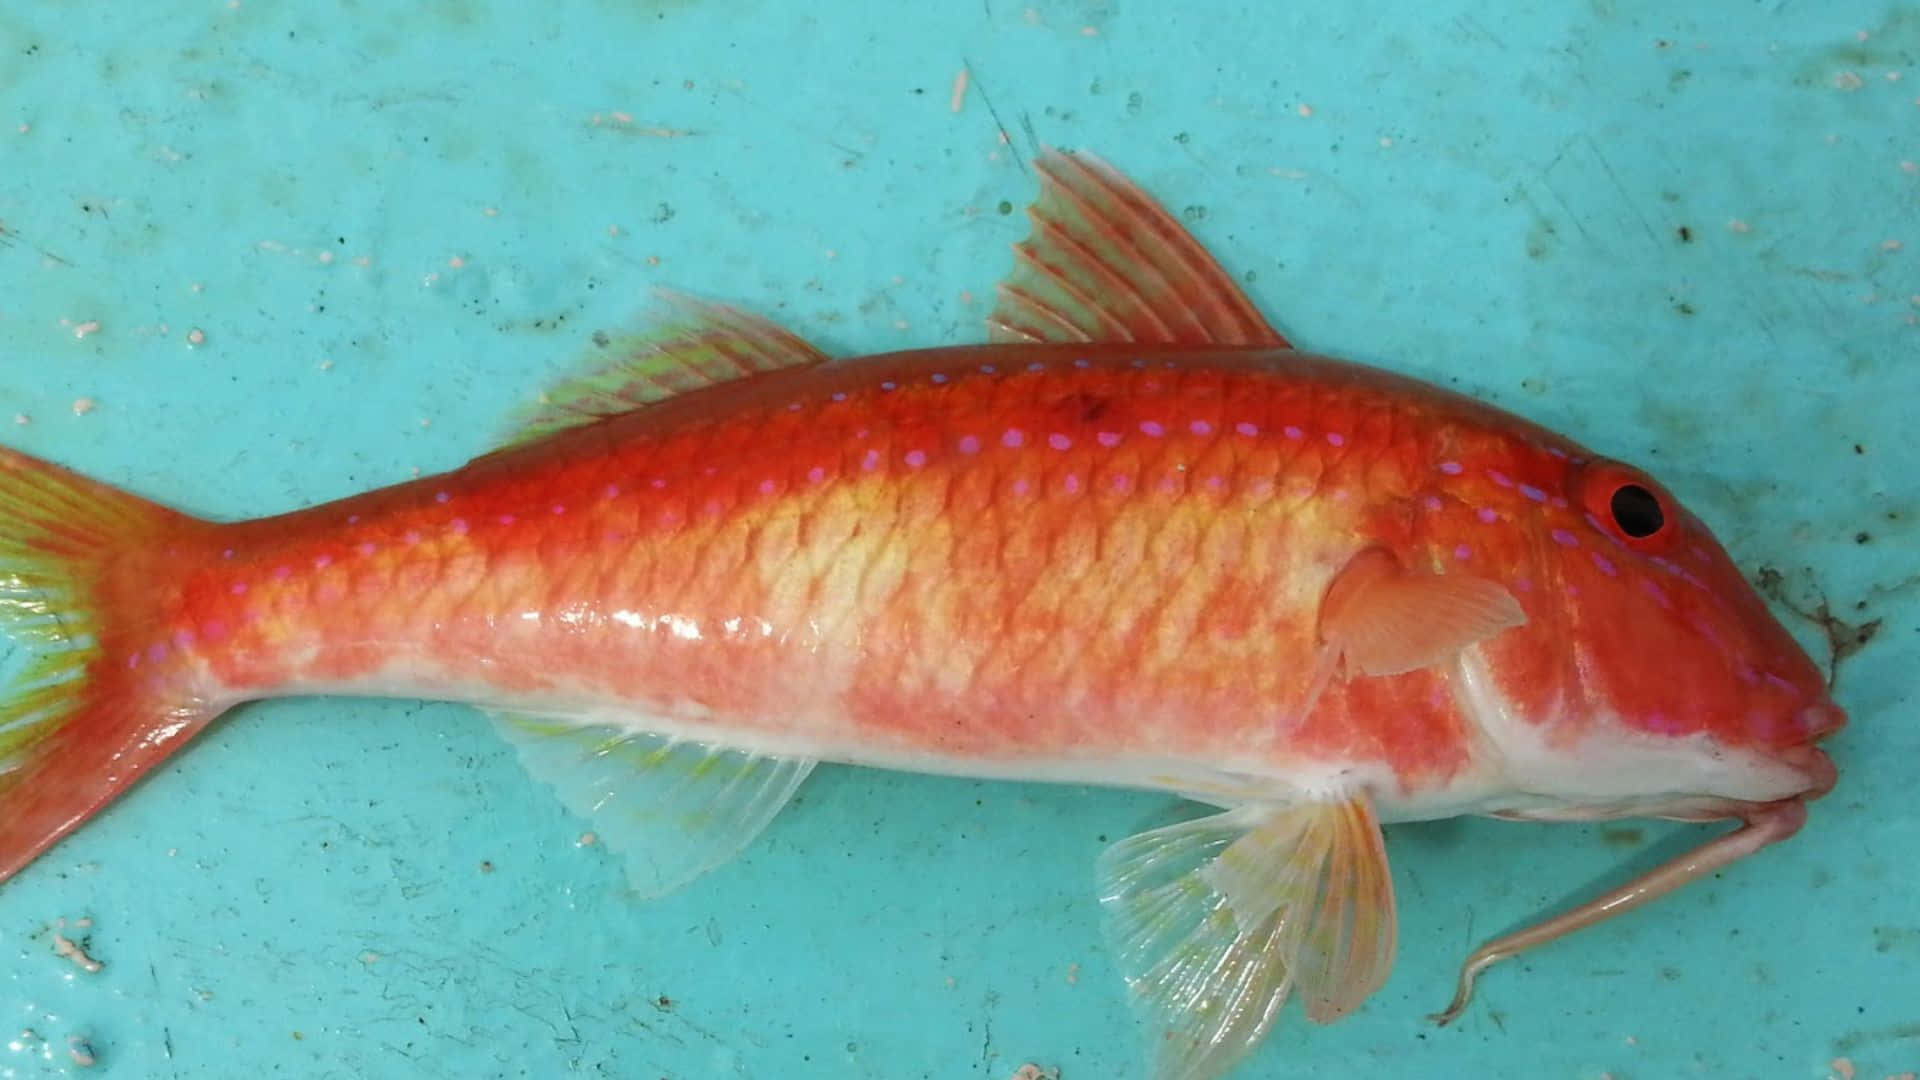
x=1636 y=511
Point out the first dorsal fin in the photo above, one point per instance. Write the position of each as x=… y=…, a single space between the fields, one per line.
x=692 y=344
x=1106 y=263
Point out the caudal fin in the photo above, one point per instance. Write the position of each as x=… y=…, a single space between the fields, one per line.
x=84 y=583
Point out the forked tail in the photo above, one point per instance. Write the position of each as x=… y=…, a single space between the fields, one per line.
x=87 y=575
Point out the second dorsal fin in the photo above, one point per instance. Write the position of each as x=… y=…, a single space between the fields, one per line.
x=1106 y=263
x=693 y=344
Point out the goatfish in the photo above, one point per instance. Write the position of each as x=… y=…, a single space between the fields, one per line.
x=1137 y=540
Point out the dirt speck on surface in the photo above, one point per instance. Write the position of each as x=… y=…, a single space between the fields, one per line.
x=74 y=949
x=1035 y=1072
x=1843 y=638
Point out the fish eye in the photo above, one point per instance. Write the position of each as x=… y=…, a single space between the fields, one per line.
x=1636 y=511
x=1627 y=506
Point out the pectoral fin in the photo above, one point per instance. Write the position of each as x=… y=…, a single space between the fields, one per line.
x=672 y=810
x=1384 y=619
x=1216 y=921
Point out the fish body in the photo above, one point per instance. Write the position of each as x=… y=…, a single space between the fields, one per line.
x=1140 y=540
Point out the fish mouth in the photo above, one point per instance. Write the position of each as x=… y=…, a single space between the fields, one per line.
x=1813 y=764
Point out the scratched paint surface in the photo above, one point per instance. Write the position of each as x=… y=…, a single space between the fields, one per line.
x=256 y=258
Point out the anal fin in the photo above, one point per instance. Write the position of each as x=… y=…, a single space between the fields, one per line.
x=672 y=810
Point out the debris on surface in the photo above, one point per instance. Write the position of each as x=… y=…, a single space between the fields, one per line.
x=1035 y=1072
x=73 y=950
x=83 y=406
x=1843 y=638
x=1842 y=1068
x=81 y=1051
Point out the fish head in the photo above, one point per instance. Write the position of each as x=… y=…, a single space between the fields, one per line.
x=1650 y=660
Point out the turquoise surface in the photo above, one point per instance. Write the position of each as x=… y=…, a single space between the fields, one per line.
x=1684 y=234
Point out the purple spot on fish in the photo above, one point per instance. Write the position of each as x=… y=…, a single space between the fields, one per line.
x=1244 y=428
x=412 y=536
x=1533 y=493
x=1071 y=483
x=861 y=433
x=1108 y=439
x=839 y=395
x=1261 y=487
x=1605 y=565
x=1432 y=502
x=1651 y=588
x=793 y=406
x=657 y=483
x=1013 y=437
x=1499 y=477
x=1660 y=723
x=1462 y=552
x=133 y=661
x=1138 y=363
x=1120 y=482
x=1451 y=468
x=1152 y=428
x=214 y=630
x=1557 y=452
x=1523 y=584
x=1201 y=428
x=441 y=497
x=1021 y=487
x=157 y=651
x=1059 y=441
x=714 y=508
x=459 y=526
x=986 y=369
x=916 y=458
x=870 y=460
x=504 y=519
x=1564 y=538
x=239 y=588
x=182 y=639
x=816 y=474
x=1216 y=483
x=969 y=444
x=1036 y=366
x=889 y=385
x=227 y=554
x=766 y=486
x=353 y=519
x=321 y=562
x=365 y=547
x=938 y=377
x=1486 y=515
x=1082 y=362
x=611 y=491
x=1293 y=433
